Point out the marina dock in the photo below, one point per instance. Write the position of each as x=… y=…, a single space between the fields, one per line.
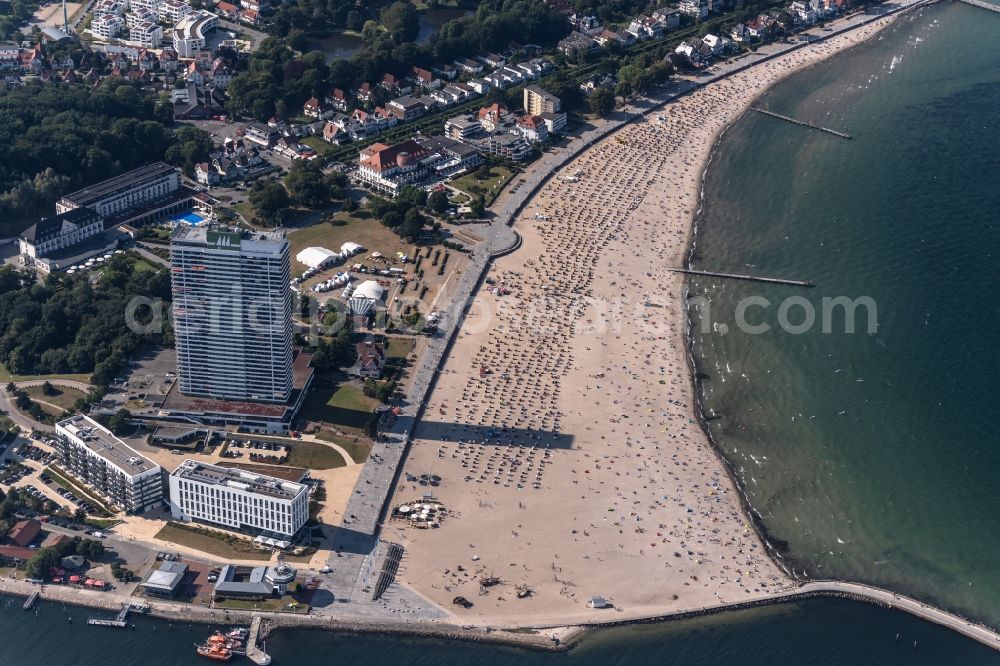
x=120 y=621
x=751 y=278
x=30 y=601
x=254 y=653
x=805 y=124
x=983 y=5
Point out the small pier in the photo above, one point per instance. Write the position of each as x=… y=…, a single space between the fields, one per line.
x=120 y=621
x=809 y=125
x=750 y=278
x=983 y=5
x=30 y=601
x=254 y=653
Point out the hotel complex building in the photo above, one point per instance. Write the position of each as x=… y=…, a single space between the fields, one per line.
x=115 y=471
x=59 y=232
x=232 y=313
x=140 y=188
x=238 y=499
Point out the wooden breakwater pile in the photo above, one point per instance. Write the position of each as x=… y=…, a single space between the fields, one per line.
x=801 y=122
x=751 y=278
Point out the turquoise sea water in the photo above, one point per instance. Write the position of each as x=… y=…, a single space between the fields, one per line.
x=873 y=457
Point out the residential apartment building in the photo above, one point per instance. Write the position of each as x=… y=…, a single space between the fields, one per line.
x=538 y=101
x=237 y=499
x=112 y=469
x=107 y=26
x=507 y=146
x=146 y=34
x=694 y=8
x=190 y=33
x=59 y=232
x=172 y=11
x=232 y=313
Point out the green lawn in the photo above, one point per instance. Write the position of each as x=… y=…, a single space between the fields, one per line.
x=222 y=545
x=271 y=605
x=489 y=187
x=246 y=211
x=358 y=449
x=6 y=376
x=65 y=397
x=316 y=143
x=400 y=347
x=345 y=407
x=314 y=455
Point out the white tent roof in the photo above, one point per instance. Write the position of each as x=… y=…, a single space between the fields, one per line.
x=370 y=290
x=316 y=256
x=352 y=248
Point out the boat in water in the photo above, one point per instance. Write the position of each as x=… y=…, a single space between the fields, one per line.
x=239 y=633
x=214 y=652
x=224 y=640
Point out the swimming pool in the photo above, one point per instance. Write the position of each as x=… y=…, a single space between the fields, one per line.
x=190 y=218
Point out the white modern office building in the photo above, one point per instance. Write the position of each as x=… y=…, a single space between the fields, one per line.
x=237 y=499
x=117 y=473
x=232 y=313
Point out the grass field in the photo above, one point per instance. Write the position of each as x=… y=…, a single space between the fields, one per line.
x=346 y=407
x=358 y=449
x=246 y=211
x=272 y=605
x=215 y=543
x=65 y=397
x=315 y=456
x=316 y=143
x=344 y=227
x=5 y=376
x=489 y=187
x=400 y=347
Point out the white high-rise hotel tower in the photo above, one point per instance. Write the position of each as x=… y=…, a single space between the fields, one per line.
x=232 y=313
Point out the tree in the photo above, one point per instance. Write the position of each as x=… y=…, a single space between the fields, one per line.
x=11 y=387
x=119 y=421
x=476 y=207
x=39 y=565
x=437 y=201
x=90 y=549
x=270 y=201
x=602 y=102
x=79 y=515
x=48 y=389
x=402 y=21
x=305 y=184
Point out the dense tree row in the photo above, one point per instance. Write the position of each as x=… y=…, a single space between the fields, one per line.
x=69 y=325
x=55 y=138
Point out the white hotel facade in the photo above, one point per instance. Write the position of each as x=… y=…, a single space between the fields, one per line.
x=237 y=499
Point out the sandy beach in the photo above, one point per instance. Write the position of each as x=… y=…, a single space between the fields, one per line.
x=563 y=427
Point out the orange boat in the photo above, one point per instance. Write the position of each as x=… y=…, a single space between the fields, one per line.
x=215 y=652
